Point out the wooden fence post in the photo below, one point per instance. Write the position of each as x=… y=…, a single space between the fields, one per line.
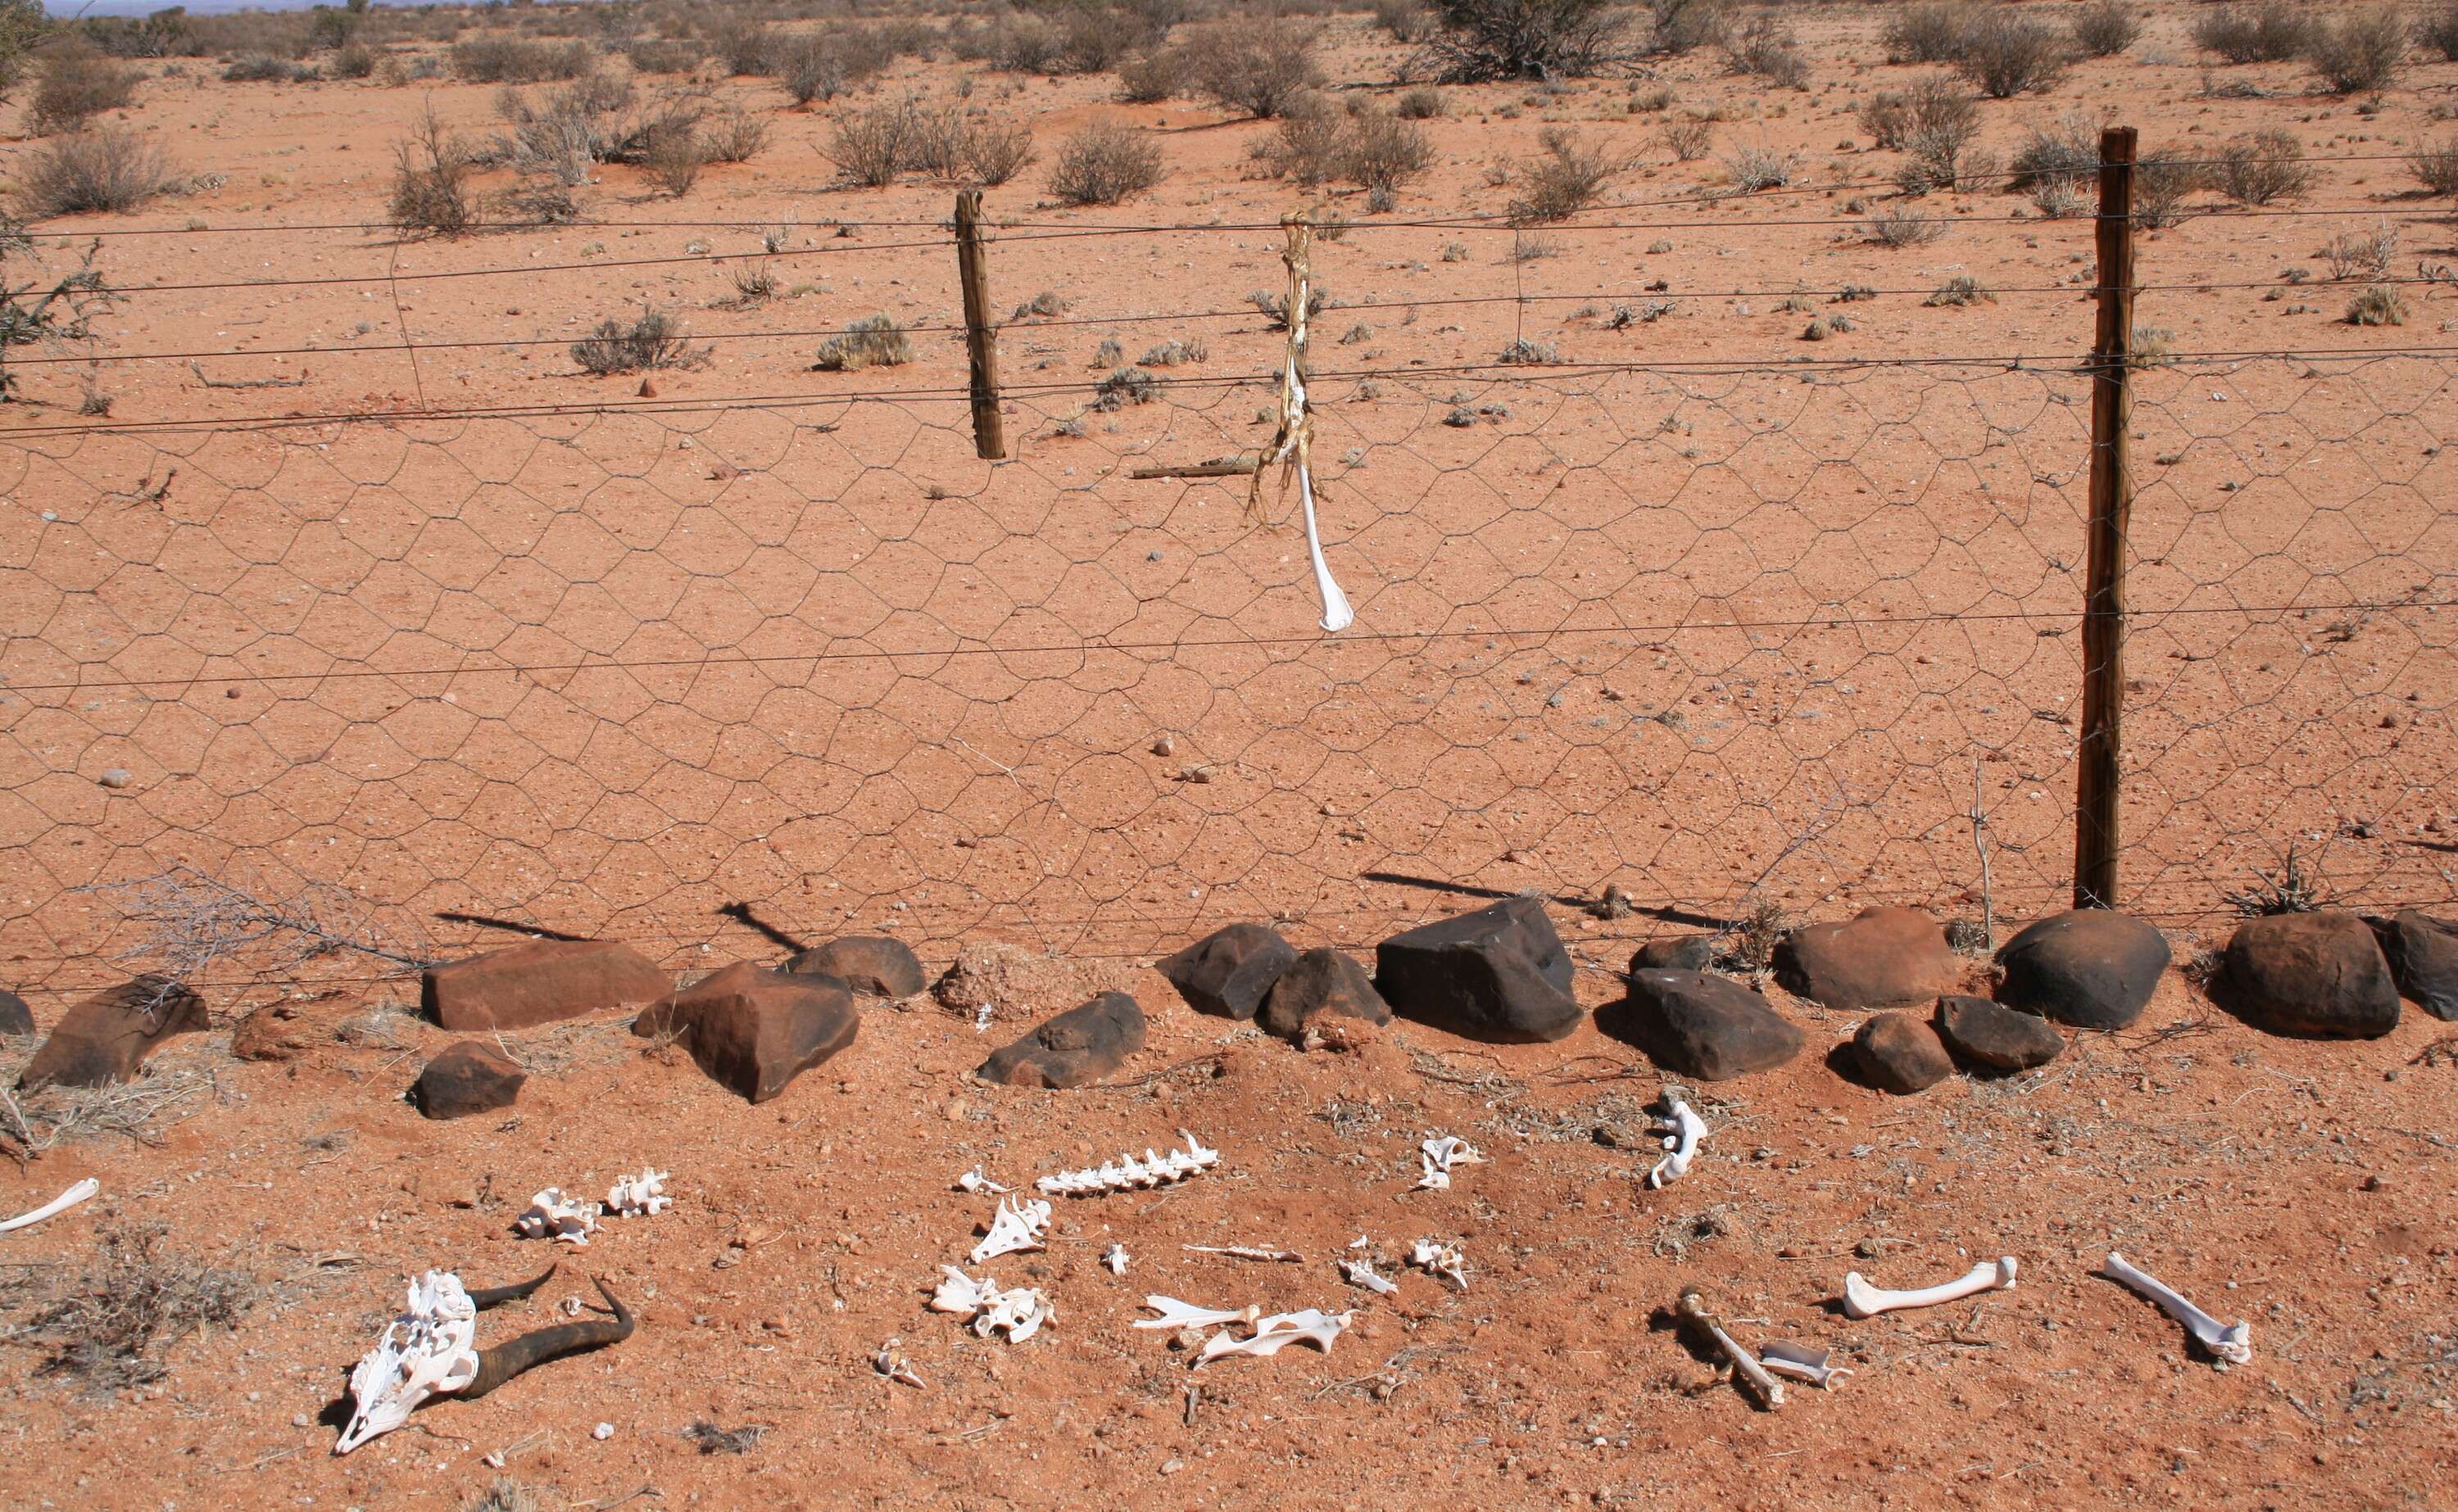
x=2098 y=784
x=981 y=341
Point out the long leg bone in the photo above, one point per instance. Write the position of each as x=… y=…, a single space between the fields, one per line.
x=1244 y=1252
x=1012 y=1227
x=1127 y=1173
x=76 y=1194
x=1439 y=1155
x=1861 y=1299
x=1683 y=1130
x=1692 y=1309
x=1802 y=1362
x=2231 y=1342
x=1176 y=1315
x=1312 y=1326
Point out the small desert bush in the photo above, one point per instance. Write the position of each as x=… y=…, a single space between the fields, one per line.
x=78 y=84
x=2263 y=168
x=2377 y=305
x=2163 y=180
x=1172 y=352
x=2066 y=152
x=264 y=67
x=1403 y=20
x=2105 y=27
x=878 y=143
x=1928 y=33
x=2362 y=254
x=2438 y=29
x=2059 y=198
x=2009 y=53
x=107 y=168
x=1899 y=227
x=1424 y=103
x=2436 y=164
x=1934 y=124
x=1756 y=168
x=653 y=340
x=1104 y=163
x=494 y=59
x=738 y=136
x=2360 y=52
x=1124 y=386
x=1160 y=74
x=666 y=54
x=873 y=340
x=1379 y=153
x=996 y=151
x=431 y=168
x=105 y=1322
x=2269 y=31
x=1963 y=289
x=356 y=61
x=1258 y=67
x=1687 y=137
x=672 y=156
x=1766 y=48
x=1484 y=40
x=1561 y=180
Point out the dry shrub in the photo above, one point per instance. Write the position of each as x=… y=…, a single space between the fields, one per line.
x=2271 y=31
x=2438 y=29
x=1680 y=27
x=872 y=146
x=2436 y=164
x=1766 y=48
x=2363 y=254
x=264 y=67
x=1104 y=163
x=1156 y=75
x=2106 y=28
x=1687 y=137
x=2262 y=168
x=1314 y=143
x=2163 y=180
x=1259 y=67
x=2360 y=52
x=996 y=151
x=2007 y=54
x=110 y=168
x=665 y=54
x=1963 y=289
x=2065 y=153
x=515 y=60
x=106 y=1324
x=1899 y=227
x=353 y=62
x=738 y=136
x=1124 y=386
x=873 y=340
x=1933 y=125
x=431 y=193
x=1562 y=180
x=653 y=340
x=78 y=84
x=673 y=156
x=1756 y=168
x=1930 y=33
x=1424 y=103
x=1482 y=40
x=2377 y=305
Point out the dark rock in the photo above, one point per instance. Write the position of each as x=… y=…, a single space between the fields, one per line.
x=106 y=1038
x=15 y=1017
x=1498 y=974
x=752 y=1029
x=1899 y=1054
x=1321 y=984
x=1081 y=1045
x=471 y=1076
x=1882 y=957
x=1678 y=953
x=1694 y=1025
x=1227 y=972
x=2092 y=969
x=1996 y=1036
x=540 y=981
x=2423 y=953
x=873 y=965
x=2318 y=975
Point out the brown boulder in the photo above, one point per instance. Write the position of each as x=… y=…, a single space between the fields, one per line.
x=752 y=1029
x=1227 y=972
x=1321 y=985
x=106 y=1037
x=1899 y=1054
x=873 y=965
x=1995 y=1036
x=1079 y=1045
x=471 y=1076
x=540 y=981
x=2423 y=953
x=1696 y=1024
x=15 y=1017
x=1884 y=958
x=2318 y=975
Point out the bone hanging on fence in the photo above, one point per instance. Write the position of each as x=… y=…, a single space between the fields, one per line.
x=1292 y=443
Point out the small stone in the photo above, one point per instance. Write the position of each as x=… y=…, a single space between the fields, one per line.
x=1901 y=1054
x=2375 y=1183
x=873 y=965
x=15 y=1017
x=1996 y=1036
x=469 y=1077
x=1164 y=746
x=602 y=1432
x=117 y=777
x=1677 y=953
x=1322 y=985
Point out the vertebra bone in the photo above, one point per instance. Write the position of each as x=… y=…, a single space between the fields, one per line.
x=1013 y=1227
x=553 y=1216
x=1439 y=1155
x=1682 y=1130
x=78 y=1193
x=1692 y=1309
x=1018 y=1312
x=894 y=1366
x=1274 y=1332
x=1361 y=1272
x=1801 y=1362
x=635 y=1196
x=973 y=1181
x=1440 y=1259
x=1176 y=1315
x=2231 y=1342
x=1126 y=1172
x=1861 y=1299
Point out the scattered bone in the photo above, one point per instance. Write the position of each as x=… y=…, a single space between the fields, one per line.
x=1439 y=1155
x=981 y=1185
x=1361 y=1272
x=2231 y=1343
x=1861 y=1299
x=1692 y=1309
x=553 y=1216
x=78 y=1193
x=1802 y=1362
x=1361 y=1242
x=1440 y=1259
x=1682 y=1130
x=1018 y=1312
x=895 y=1367
x=1127 y=1173
x=1013 y=1227
x=960 y=1293
x=1116 y=1258
x=1177 y=1315
x=640 y=1196
x=1275 y=1333
x=1244 y=1252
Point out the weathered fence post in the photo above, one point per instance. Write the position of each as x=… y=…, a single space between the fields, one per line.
x=981 y=341
x=2098 y=786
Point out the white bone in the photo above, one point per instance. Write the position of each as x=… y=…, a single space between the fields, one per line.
x=1274 y=1332
x=1802 y=1362
x=1439 y=1155
x=973 y=1181
x=894 y=1366
x=1690 y=1306
x=637 y=1196
x=1683 y=1130
x=1176 y=1315
x=1361 y=1272
x=1861 y=1299
x=2231 y=1342
x=1361 y=1242
x=1018 y=1313
x=430 y=1350
x=1243 y=1252
x=78 y=1193
x=553 y=1216
x=1440 y=1259
x=1116 y=1258
x=960 y=1293
x=1126 y=1172
x=1012 y=1227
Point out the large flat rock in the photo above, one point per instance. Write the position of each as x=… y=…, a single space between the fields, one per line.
x=106 y=1038
x=1705 y=1027
x=1082 y=1044
x=1228 y=972
x=540 y=981
x=1880 y=958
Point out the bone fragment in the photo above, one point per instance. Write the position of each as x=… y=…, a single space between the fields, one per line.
x=1018 y=1312
x=553 y=1216
x=1682 y=1130
x=635 y=1196
x=1861 y=1299
x=1361 y=1272
x=894 y=1366
x=1243 y=1252
x=1439 y=1155
x=1692 y=1309
x=1273 y=1334
x=1176 y=1315
x=1440 y=1259
x=975 y=1181
x=1802 y=1362
x=78 y=1193
x=1013 y=1227
x=1116 y=1258
x=1128 y=1174
x=2230 y=1342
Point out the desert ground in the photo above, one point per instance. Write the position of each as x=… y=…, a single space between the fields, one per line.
x=1704 y=545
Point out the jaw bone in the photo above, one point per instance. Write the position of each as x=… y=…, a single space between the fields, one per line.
x=1683 y=1130
x=640 y=1195
x=1861 y=1299
x=1439 y=1155
x=2232 y=1343
x=1273 y=1334
x=553 y=1216
x=1127 y=1173
x=1013 y=1227
x=76 y=1194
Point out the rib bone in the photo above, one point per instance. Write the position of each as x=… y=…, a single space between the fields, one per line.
x=2231 y=1342
x=1439 y=1154
x=1802 y=1362
x=1693 y=1310
x=1176 y=1315
x=76 y=1194
x=1313 y=1326
x=1683 y=1130
x=1861 y=1299
x=1012 y=1227
x=1126 y=1172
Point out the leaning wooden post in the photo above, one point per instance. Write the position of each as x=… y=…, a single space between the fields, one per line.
x=2098 y=785
x=981 y=340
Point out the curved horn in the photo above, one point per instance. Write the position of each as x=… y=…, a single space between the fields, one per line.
x=485 y=1297
x=507 y=1360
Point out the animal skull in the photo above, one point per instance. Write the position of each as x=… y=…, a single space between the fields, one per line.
x=79 y=1191
x=1126 y=1172
x=553 y=1216
x=1802 y=1362
x=1273 y=1334
x=1013 y=1227
x=1861 y=1299
x=1682 y=1130
x=1439 y=1155
x=430 y=1350
x=635 y=1196
x=1176 y=1315
x=2229 y=1342
x=1440 y=1259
